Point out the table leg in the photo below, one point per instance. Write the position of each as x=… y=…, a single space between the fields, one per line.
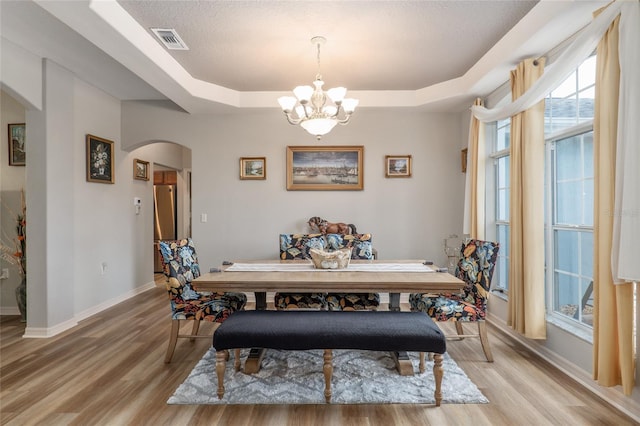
x=394 y=301
x=401 y=358
x=254 y=359
x=261 y=300
x=403 y=363
x=252 y=364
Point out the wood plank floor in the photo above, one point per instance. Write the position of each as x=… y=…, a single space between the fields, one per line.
x=109 y=370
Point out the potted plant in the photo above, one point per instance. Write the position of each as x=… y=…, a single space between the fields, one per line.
x=15 y=253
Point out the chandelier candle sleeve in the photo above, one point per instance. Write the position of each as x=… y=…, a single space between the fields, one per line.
x=314 y=110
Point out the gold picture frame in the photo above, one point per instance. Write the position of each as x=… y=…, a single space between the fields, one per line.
x=99 y=160
x=328 y=168
x=140 y=169
x=17 y=147
x=463 y=160
x=397 y=166
x=253 y=168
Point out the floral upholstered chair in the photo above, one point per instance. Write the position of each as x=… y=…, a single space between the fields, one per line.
x=296 y=247
x=180 y=266
x=475 y=268
x=361 y=248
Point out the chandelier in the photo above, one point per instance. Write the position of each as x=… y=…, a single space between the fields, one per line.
x=310 y=109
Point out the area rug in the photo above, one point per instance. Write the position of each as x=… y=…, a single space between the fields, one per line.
x=295 y=377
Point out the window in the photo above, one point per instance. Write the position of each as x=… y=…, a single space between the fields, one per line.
x=501 y=173
x=569 y=238
x=568 y=199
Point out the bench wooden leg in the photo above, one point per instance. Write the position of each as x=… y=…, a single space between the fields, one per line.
x=221 y=364
x=422 y=355
x=438 y=371
x=328 y=372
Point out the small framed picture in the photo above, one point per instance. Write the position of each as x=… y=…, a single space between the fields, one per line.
x=397 y=166
x=17 y=156
x=140 y=169
x=99 y=160
x=253 y=168
x=463 y=160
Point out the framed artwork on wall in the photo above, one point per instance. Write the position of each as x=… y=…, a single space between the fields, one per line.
x=328 y=168
x=140 y=169
x=17 y=153
x=253 y=168
x=463 y=160
x=397 y=166
x=99 y=160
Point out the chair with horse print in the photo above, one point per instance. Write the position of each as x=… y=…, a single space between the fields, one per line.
x=180 y=266
x=475 y=268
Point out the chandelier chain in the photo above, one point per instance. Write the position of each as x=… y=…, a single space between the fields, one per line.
x=318 y=75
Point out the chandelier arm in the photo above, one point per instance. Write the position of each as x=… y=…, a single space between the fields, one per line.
x=293 y=121
x=344 y=120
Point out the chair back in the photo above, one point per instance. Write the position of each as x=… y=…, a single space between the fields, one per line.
x=180 y=265
x=475 y=268
x=297 y=246
x=360 y=244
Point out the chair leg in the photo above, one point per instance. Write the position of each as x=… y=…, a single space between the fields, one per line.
x=173 y=339
x=459 y=329
x=194 y=330
x=484 y=340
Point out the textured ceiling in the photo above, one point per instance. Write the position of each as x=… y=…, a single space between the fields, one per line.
x=431 y=55
x=379 y=45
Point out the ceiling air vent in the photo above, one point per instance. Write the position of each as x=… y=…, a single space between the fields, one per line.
x=170 y=38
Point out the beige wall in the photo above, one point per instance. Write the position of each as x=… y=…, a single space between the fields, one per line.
x=409 y=218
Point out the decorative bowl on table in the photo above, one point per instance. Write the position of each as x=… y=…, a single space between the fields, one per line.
x=338 y=259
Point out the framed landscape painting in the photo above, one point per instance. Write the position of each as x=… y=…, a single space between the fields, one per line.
x=397 y=166
x=99 y=160
x=140 y=169
x=17 y=156
x=253 y=168
x=328 y=168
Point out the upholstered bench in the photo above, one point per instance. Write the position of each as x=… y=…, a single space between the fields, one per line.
x=305 y=330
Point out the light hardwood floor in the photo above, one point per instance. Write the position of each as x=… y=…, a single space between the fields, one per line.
x=109 y=370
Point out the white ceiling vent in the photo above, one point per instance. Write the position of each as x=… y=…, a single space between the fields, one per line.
x=170 y=38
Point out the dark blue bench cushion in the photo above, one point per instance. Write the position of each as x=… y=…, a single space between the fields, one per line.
x=302 y=330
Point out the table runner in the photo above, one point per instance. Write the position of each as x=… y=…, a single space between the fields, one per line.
x=353 y=267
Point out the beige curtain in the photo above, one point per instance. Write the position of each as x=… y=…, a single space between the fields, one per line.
x=475 y=180
x=613 y=349
x=526 y=242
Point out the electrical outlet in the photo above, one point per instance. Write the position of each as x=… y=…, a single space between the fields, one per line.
x=103 y=268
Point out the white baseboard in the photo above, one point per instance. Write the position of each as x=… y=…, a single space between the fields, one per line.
x=9 y=310
x=629 y=405
x=44 y=332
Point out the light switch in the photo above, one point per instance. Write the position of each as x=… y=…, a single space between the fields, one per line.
x=203 y=217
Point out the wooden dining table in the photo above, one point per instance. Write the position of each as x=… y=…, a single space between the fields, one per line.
x=381 y=276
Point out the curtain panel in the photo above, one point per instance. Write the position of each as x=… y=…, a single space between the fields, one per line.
x=475 y=180
x=526 y=304
x=613 y=346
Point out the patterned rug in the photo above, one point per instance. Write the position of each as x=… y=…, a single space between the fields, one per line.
x=295 y=377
